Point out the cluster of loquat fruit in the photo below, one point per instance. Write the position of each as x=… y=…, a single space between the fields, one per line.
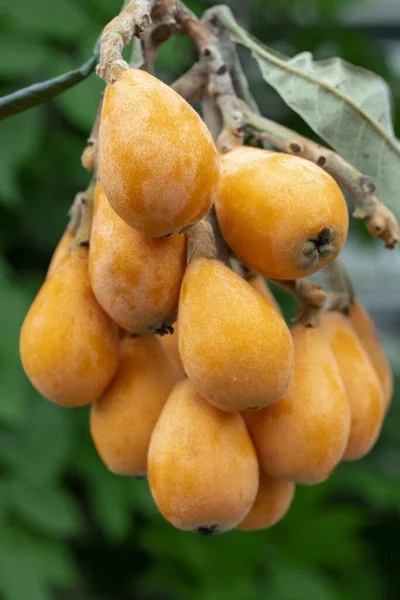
x=232 y=410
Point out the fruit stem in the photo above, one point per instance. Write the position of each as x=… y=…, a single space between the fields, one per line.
x=340 y=287
x=74 y=215
x=133 y=19
x=310 y=298
x=85 y=201
x=200 y=241
x=89 y=155
x=223 y=252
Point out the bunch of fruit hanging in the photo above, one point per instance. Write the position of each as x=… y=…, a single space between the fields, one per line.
x=156 y=308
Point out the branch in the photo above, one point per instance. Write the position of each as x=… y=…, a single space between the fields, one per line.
x=191 y=84
x=230 y=56
x=219 y=85
x=38 y=93
x=134 y=19
x=163 y=25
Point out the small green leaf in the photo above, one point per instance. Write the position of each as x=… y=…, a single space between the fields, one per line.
x=347 y=106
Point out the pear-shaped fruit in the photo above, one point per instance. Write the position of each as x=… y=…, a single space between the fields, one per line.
x=282 y=215
x=160 y=167
x=236 y=348
x=68 y=344
x=303 y=437
x=368 y=335
x=60 y=251
x=122 y=421
x=202 y=466
x=273 y=500
x=361 y=383
x=259 y=284
x=136 y=279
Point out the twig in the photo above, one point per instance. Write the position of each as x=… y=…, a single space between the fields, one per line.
x=38 y=93
x=134 y=19
x=191 y=84
x=211 y=114
x=230 y=56
x=220 y=86
x=163 y=25
x=310 y=297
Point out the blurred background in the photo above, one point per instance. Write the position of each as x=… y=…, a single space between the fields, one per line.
x=70 y=529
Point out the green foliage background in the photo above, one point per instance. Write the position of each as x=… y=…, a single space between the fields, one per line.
x=70 y=529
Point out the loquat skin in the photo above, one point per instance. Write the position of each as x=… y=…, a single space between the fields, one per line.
x=160 y=169
x=303 y=437
x=259 y=284
x=361 y=383
x=272 y=502
x=68 y=344
x=235 y=346
x=123 y=419
x=170 y=341
x=60 y=251
x=136 y=279
x=202 y=466
x=368 y=335
x=282 y=215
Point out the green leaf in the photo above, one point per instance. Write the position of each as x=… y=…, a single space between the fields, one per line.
x=48 y=509
x=62 y=20
x=19 y=138
x=23 y=59
x=40 y=449
x=347 y=106
x=29 y=565
x=81 y=102
x=15 y=388
x=291 y=583
x=111 y=496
